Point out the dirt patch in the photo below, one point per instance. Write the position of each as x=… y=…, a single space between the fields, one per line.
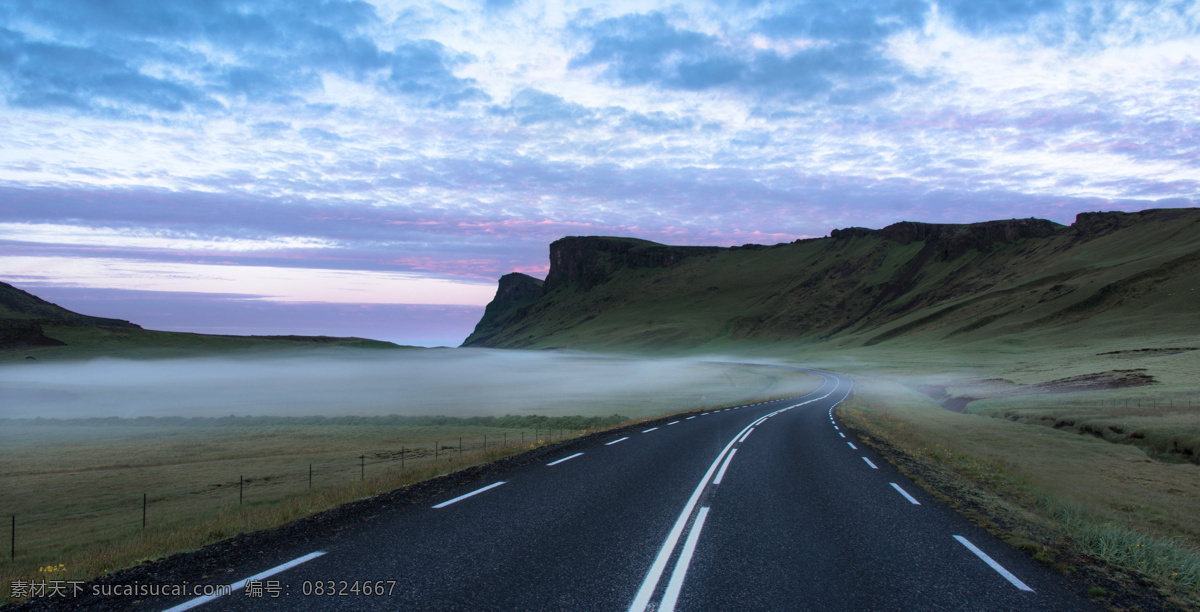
x=990 y=388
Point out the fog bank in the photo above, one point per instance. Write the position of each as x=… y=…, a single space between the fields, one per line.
x=452 y=382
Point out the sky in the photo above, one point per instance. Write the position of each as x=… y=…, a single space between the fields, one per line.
x=372 y=168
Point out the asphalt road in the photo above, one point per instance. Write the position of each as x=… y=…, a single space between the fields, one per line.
x=770 y=506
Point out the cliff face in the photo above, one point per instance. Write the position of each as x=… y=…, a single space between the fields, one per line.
x=592 y=260
x=515 y=291
x=947 y=241
x=863 y=287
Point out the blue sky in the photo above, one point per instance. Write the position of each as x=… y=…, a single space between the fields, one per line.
x=307 y=166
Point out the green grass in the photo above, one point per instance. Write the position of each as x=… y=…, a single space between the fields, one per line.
x=1166 y=560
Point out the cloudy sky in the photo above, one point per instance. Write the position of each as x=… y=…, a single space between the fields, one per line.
x=323 y=166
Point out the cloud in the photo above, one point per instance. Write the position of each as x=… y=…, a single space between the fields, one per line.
x=531 y=106
x=317 y=135
x=275 y=284
x=41 y=75
x=422 y=69
x=659 y=122
x=646 y=49
x=999 y=15
x=173 y=56
x=270 y=129
x=1078 y=24
x=845 y=20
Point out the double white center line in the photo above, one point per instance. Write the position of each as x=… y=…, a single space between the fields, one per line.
x=654 y=575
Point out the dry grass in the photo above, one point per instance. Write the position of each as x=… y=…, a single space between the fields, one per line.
x=79 y=507
x=1112 y=500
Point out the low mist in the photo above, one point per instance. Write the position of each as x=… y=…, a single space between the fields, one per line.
x=450 y=382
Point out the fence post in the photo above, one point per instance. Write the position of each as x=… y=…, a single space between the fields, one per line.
x=485 y=443
x=401 y=458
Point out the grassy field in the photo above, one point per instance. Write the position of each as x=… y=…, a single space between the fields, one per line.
x=76 y=486
x=1070 y=476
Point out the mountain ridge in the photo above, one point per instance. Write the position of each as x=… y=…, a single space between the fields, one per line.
x=861 y=287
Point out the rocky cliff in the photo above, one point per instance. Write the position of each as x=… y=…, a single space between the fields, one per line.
x=515 y=291
x=947 y=241
x=592 y=260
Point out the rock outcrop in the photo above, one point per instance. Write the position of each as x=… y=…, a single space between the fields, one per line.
x=947 y=241
x=515 y=291
x=591 y=260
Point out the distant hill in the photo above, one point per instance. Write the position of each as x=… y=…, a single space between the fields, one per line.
x=29 y=322
x=18 y=305
x=1109 y=272
x=23 y=317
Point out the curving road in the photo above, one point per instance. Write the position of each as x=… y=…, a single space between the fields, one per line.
x=768 y=506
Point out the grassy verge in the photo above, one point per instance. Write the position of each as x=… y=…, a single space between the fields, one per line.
x=79 y=510
x=1105 y=513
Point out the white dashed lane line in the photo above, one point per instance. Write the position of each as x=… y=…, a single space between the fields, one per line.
x=852 y=445
x=689 y=418
x=996 y=566
x=475 y=492
x=237 y=586
x=649 y=430
x=563 y=459
x=905 y=494
x=870 y=464
x=672 y=422
x=841 y=434
x=615 y=441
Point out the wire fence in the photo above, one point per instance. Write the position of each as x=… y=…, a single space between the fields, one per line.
x=77 y=534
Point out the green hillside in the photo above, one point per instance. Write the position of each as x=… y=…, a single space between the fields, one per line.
x=1126 y=274
x=31 y=327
